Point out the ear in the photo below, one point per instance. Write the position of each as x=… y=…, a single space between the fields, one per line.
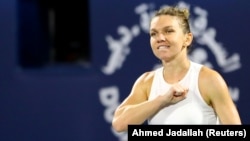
x=189 y=39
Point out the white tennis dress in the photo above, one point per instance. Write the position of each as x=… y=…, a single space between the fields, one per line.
x=192 y=110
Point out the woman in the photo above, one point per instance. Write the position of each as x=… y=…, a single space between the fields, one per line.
x=181 y=91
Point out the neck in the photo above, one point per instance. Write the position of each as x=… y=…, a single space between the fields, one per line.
x=173 y=72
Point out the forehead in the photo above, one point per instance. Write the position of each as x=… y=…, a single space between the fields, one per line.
x=164 y=21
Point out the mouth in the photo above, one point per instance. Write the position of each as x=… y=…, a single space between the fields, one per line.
x=163 y=47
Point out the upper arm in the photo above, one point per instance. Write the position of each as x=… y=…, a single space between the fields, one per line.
x=216 y=93
x=140 y=90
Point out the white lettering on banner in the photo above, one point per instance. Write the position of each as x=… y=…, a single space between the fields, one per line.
x=207 y=37
x=109 y=97
x=146 y=12
x=119 y=48
x=203 y=35
x=235 y=93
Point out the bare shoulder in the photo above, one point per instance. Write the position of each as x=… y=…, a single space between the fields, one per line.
x=210 y=76
x=143 y=83
x=145 y=80
x=211 y=84
x=146 y=77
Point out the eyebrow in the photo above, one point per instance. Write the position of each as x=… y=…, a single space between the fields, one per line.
x=166 y=27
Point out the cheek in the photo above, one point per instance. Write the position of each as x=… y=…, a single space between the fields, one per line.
x=153 y=45
x=178 y=41
x=152 y=42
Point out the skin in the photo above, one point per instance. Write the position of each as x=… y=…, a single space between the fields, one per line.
x=169 y=44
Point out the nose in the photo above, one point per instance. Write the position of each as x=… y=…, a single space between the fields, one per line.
x=161 y=38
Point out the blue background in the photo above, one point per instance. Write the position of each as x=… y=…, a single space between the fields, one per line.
x=67 y=102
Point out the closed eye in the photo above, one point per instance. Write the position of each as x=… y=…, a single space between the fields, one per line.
x=152 y=34
x=169 y=30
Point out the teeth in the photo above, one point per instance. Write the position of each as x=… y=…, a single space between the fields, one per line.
x=162 y=47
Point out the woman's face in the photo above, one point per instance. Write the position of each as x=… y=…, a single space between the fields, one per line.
x=167 y=38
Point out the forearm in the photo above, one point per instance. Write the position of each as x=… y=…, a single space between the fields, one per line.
x=135 y=114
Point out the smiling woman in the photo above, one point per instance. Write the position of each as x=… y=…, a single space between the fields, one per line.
x=52 y=33
x=172 y=93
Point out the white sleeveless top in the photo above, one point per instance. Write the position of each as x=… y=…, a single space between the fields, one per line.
x=192 y=110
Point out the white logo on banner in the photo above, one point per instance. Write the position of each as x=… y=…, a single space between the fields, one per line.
x=203 y=35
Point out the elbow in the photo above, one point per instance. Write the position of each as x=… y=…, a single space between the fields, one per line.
x=119 y=126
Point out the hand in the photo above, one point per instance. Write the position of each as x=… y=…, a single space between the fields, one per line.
x=175 y=94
